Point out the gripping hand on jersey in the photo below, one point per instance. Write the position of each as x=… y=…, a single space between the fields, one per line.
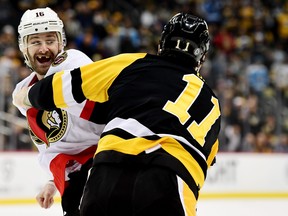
x=21 y=99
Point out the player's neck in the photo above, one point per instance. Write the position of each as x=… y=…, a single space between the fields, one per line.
x=40 y=77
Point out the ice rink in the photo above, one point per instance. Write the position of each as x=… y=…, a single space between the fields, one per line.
x=238 y=186
x=209 y=207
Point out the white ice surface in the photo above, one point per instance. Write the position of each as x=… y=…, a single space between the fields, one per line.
x=207 y=207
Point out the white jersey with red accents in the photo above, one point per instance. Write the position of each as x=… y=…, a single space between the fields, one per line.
x=62 y=138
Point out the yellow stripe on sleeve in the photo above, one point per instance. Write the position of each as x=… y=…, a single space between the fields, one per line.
x=57 y=86
x=97 y=77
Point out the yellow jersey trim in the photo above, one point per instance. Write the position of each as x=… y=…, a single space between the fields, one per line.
x=137 y=145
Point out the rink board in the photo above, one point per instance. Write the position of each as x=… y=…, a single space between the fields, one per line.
x=234 y=176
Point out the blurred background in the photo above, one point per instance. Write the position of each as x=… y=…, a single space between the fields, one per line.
x=247 y=67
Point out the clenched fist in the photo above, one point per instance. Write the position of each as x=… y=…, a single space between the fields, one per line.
x=45 y=197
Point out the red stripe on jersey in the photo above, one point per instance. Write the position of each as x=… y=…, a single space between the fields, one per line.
x=31 y=115
x=59 y=163
x=34 y=80
x=87 y=110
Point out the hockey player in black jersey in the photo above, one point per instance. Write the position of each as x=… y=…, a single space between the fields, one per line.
x=162 y=127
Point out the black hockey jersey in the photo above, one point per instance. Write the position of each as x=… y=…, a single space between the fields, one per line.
x=151 y=103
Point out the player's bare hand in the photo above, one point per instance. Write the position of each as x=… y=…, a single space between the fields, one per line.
x=20 y=98
x=45 y=198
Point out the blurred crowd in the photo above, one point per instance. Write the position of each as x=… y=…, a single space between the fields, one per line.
x=247 y=65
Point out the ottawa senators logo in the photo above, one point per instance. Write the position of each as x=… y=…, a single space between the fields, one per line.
x=59 y=59
x=47 y=126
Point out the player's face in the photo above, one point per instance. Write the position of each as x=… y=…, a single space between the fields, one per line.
x=42 y=49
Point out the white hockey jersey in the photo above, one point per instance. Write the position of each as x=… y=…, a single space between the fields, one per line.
x=62 y=138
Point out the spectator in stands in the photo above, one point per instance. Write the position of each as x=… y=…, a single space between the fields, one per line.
x=256 y=26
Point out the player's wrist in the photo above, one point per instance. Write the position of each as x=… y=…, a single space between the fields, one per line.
x=26 y=100
x=51 y=182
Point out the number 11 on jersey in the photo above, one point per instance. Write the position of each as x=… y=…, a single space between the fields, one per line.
x=180 y=108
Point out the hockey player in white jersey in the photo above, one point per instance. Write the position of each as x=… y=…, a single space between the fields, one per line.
x=66 y=143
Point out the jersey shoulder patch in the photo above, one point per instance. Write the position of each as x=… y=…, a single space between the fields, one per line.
x=59 y=59
x=47 y=126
